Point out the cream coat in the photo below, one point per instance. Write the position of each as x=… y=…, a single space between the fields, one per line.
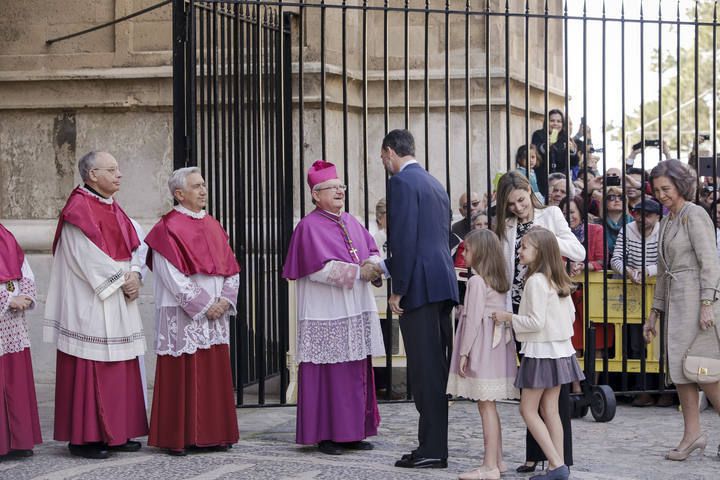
x=688 y=272
x=544 y=316
x=552 y=219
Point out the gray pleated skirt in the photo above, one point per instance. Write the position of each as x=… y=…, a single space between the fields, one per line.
x=548 y=372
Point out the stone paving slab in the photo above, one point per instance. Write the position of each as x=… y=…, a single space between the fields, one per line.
x=631 y=447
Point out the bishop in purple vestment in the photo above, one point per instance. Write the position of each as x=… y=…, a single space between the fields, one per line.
x=333 y=258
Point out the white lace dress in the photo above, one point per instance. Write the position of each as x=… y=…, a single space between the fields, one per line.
x=14 y=335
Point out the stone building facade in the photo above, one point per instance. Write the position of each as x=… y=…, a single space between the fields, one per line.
x=112 y=90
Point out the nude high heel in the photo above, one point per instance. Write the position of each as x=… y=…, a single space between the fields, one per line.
x=481 y=473
x=679 y=455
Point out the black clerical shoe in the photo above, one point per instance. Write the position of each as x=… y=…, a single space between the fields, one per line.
x=96 y=452
x=359 y=445
x=219 y=448
x=18 y=454
x=410 y=455
x=129 y=446
x=421 y=462
x=177 y=453
x=329 y=447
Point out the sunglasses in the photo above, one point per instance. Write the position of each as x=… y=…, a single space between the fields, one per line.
x=612 y=198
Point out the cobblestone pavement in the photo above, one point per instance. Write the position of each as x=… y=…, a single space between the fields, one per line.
x=630 y=447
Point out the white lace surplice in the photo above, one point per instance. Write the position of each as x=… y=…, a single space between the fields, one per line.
x=337 y=318
x=181 y=302
x=13 y=328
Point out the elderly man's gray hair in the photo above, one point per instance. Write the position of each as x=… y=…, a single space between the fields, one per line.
x=86 y=164
x=178 y=179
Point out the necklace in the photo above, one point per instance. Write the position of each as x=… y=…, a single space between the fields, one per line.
x=346 y=235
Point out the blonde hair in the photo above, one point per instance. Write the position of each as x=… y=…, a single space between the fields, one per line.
x=487 y=259
x=511 y=181
x=548 y=260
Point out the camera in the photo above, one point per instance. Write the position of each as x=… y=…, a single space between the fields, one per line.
x=612 y=181
x=704 y=137
x=708 y=189
x=648 y=143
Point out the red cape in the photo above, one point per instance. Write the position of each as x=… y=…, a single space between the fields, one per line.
x=106 y=225
x=11 y=256
x=192 y=245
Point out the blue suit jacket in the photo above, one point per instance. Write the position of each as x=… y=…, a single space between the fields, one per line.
x=419 y=219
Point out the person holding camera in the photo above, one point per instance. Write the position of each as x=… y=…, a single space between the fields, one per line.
x=637 y=149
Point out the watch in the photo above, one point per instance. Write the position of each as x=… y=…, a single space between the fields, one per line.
x=707 y=303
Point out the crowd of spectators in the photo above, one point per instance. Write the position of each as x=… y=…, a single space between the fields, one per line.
x=614 y=208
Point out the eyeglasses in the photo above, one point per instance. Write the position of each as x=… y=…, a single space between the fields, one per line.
x=612 y=198
x=337 y=188
x=113 y=170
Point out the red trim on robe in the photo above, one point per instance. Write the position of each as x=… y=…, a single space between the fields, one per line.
x=193 y=400
x=106 y=225
x=192 y=245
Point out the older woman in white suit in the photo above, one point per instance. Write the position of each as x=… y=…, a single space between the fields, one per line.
x=518 y=210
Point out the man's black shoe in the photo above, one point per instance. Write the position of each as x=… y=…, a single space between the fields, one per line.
x=330 y=448
x=410 y=455
x=19 y=454
x=421 y=462
x=129 y=446
x=359 y=445
x=96 y=452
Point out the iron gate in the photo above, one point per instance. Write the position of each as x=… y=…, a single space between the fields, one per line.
x=230 y=118
x=263 y=86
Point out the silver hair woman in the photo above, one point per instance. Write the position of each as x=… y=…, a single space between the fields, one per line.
x=178 y=179
x=685 y=292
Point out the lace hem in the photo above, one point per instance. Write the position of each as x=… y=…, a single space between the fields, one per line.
x=340 y=340
x=176 y=333
x=485 y=389
x=191 y=349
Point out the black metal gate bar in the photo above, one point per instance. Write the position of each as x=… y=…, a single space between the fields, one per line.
x=508 y=107
x=346 y=178
x=365 y=152
x=605 y=359
x=426 y=85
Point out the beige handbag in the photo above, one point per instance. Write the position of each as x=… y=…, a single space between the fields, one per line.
x=701 y=363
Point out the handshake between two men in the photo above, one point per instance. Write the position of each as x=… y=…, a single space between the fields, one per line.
x=371 y=272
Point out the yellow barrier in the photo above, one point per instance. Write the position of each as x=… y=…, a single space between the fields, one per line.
x=616 y=302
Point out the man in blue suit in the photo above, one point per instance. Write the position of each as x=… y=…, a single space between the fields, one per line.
x=424 y=289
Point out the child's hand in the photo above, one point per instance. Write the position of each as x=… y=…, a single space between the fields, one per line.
x=501 y=317
x=463 y=365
